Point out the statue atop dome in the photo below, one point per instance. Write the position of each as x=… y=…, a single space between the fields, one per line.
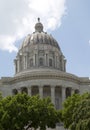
x=39 y=26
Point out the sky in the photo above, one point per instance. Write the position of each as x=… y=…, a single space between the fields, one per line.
x=67 y=20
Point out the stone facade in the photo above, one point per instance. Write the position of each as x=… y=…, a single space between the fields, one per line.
x=40 y=68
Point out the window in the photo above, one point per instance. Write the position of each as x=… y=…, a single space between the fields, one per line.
x=50 y=62
x=68 y=92
x=14 y=91
x=24 y=90
x=76 y=91
x=41 y=61
x=31 y=62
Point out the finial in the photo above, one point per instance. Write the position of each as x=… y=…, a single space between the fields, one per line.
x=38 y=19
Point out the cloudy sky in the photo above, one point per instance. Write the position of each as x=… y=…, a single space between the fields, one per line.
x=67 y=20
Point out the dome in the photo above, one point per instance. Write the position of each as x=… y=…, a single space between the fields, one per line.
x=39 y=37
x=39 y=50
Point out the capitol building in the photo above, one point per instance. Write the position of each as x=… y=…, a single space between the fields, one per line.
x=40 y=68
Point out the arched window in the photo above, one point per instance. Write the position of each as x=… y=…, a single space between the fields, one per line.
x=41 y=62
x=31 y=62
x=34 y=90
x=76 y=91
x=15 y=91
x=24 y=90
x=50 y=62
x=68 y=92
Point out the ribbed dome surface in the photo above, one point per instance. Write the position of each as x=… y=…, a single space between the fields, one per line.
x=39 y=37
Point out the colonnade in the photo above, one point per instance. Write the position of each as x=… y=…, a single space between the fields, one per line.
x=57 y=93
x=52 y=60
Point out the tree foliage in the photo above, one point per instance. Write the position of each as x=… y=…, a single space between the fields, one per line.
x=21 y=112
x=76 y=112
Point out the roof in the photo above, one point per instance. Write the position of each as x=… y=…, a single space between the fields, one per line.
x=39 y=37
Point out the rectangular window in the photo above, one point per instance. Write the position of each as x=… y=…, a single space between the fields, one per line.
x=50 y=62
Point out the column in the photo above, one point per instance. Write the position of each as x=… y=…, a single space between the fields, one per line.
x=53 y=94
x=65 y=65
x=25 y=61
x=72 y=91
x=15 y=63
x=41 y=91
x=62 y=62
x=55 y=60
x=33 y=59
x=19 y=90
x=29 y=91
x=45 y=57
x=18 y=65
x=63 y=93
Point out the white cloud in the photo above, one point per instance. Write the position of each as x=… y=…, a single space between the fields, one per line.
x=89 y=42
x=18 y=17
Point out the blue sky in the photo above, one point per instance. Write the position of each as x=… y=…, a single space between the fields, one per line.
x=71 y=30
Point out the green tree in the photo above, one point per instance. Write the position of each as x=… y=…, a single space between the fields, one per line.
x=1 y=96
x=14 y=108
x=81 y=114
x=76 y=112
x=68 y=107
x=21 y=112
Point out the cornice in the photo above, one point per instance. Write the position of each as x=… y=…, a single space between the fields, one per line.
x=47 y=74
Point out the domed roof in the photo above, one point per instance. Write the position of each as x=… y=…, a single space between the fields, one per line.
x=39 y=37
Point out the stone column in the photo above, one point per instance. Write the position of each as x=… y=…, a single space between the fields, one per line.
x=25 y=61
x=38 y=58
x=53 y=94
x=41 y=91
x=19 y=90
x=62 y=62
x=34 y=60
x=72 y=91
x=55 y=61
x=15 y=63
x=65 y=65
x=18 y=65
x=63 y=93
x=29 y=91
x=45 y=57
